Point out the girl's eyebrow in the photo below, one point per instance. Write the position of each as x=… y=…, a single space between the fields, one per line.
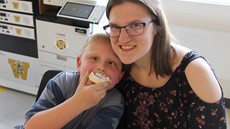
x=132 y=22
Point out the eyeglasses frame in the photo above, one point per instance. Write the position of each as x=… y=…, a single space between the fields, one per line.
x=120 y=27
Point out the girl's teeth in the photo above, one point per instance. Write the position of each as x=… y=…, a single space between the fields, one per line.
x=127 y=47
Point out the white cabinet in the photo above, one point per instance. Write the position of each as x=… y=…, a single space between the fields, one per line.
x=19 y=67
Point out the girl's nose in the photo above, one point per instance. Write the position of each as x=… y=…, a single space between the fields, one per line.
x=124 y=37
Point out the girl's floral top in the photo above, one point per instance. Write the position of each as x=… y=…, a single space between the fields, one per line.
x=173 y=106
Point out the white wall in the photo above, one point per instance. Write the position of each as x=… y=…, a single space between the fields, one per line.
x=204 y=28
x=213 y=44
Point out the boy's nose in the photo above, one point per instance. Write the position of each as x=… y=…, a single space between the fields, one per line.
x=101 y=69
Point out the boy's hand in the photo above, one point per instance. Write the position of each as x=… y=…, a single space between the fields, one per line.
x=88 y=96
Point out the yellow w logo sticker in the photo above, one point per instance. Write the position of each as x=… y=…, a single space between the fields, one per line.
x=19 y=69
x=17 y=18
x=15 y=5
x=61 y=44
x=18 y=31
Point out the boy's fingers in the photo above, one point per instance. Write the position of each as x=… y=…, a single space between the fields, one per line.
x=103 y=86
x=84 y=79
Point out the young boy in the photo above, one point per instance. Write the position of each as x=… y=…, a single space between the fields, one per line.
x=71 y=101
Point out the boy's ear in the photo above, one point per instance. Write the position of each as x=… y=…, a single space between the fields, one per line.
x=78 y=60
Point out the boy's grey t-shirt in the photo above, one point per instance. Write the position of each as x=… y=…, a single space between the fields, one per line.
x=105 y=115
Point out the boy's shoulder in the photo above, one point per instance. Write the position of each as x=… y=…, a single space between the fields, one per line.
x=67 y=75
x=113 y=97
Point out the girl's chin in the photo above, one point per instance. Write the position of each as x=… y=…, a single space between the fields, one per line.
x=126 y=61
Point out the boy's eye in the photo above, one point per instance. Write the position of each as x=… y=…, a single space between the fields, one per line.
x=94 y=58
x=112 y=63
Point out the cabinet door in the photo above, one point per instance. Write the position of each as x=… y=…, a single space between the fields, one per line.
x=19 y=72
x=17 y=5
x=18 y=31
x=17 y=18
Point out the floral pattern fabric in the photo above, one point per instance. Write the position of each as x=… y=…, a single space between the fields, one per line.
x=173 y=106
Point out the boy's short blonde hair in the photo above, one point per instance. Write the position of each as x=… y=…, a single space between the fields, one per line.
x=98 y=37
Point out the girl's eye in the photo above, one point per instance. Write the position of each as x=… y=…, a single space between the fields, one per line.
x=135 y=26
x=114 y=27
